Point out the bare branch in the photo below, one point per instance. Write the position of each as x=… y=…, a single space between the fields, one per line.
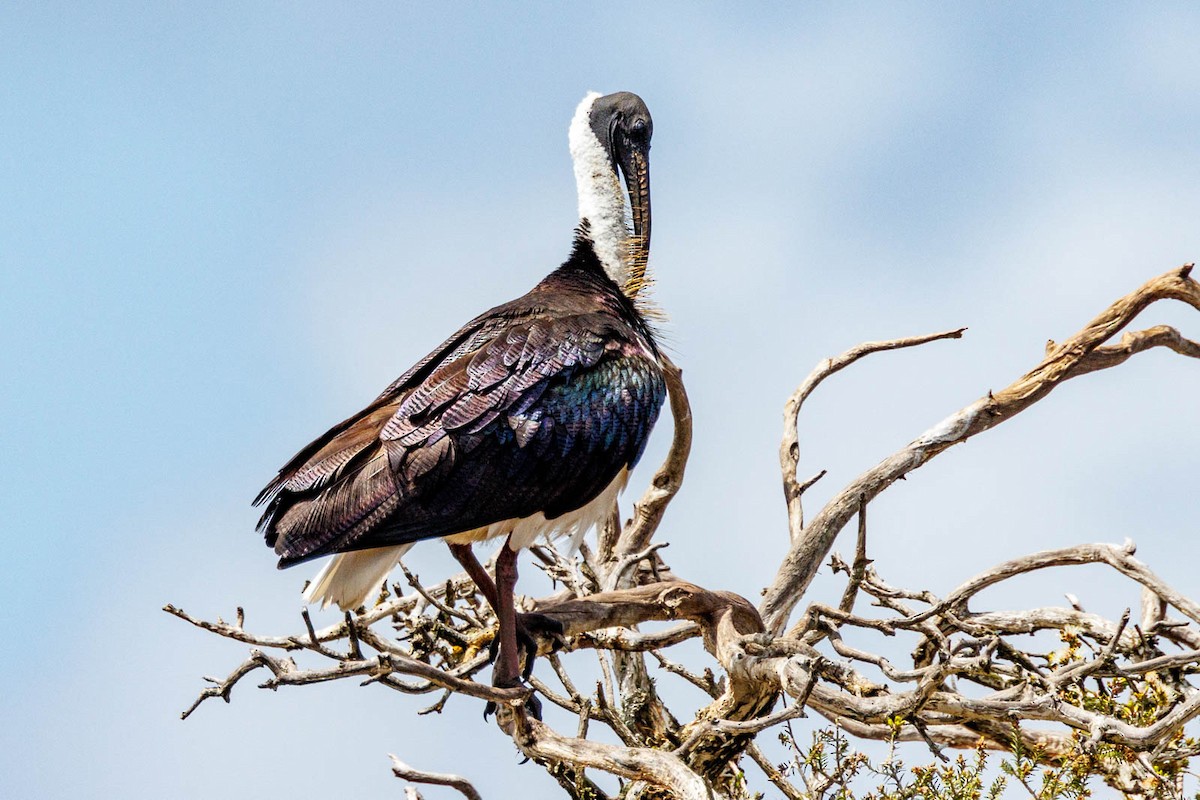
x=406 y=773
x=543 y=744
x=858 y=570
x=1119 y=557
x=774 y=775
x=1133 y=342
x=1038 y=619
x=223 y=688
x=789 y=448
x=616 y=576
x=648 y=512
x=415 y=582
x=1064 y=362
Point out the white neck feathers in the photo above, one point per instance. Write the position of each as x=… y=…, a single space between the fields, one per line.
x=601 y=201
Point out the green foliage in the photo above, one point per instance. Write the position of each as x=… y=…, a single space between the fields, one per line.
x=829 y=768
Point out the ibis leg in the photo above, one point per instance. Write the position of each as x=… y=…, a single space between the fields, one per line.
x=466 y=557
x=530 y=627
x=508 y=663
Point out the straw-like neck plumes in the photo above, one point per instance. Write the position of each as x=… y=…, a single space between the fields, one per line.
x=602 y=204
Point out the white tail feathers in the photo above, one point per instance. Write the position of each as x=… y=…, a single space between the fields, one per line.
x=351 y=579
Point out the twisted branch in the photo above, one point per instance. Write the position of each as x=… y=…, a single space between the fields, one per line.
x=1077 y=356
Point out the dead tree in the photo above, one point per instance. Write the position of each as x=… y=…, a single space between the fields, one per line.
x=1114 y=700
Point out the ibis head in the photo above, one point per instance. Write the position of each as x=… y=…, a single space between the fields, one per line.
x=623 y=126
x=610 y=141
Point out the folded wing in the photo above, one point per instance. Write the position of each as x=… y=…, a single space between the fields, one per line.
x=518 y=413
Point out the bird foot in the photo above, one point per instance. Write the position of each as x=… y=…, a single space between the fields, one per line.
x=532 y=629
x=533 y=706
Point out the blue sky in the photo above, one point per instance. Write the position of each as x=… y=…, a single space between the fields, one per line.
x=224 y=227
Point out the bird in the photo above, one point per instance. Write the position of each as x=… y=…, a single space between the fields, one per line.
x=524 y=423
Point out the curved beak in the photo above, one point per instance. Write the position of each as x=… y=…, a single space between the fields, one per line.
x=634 y=161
